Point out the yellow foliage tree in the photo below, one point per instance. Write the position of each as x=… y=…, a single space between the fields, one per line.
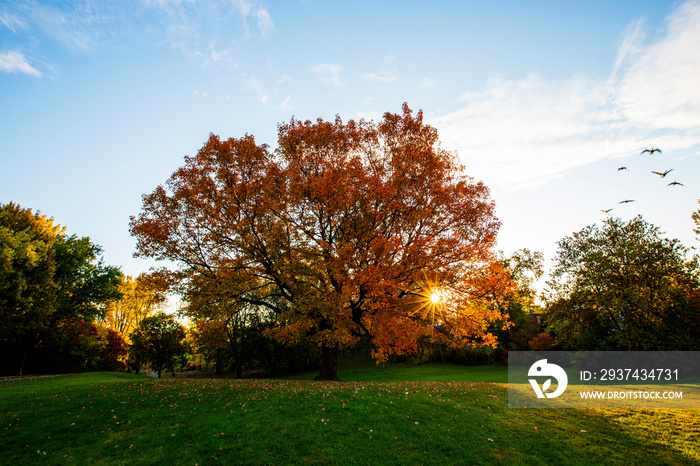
x=141 y=298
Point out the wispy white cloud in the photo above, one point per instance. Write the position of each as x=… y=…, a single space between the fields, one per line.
x=657 y=87
x=286 y=105
x=520 y=133
x=12 y=22
x=76 y=25
x=630 y=47
x=265 y=23
x=285 y=78
x=214 y=57
x=212 y=30
x=244 y=7
x=427 y=84
x=163 y=3
x=15 y=62
x=255 y=84
x=78 y=28
x=388 y=74
x=381 y=79
x=327 y=73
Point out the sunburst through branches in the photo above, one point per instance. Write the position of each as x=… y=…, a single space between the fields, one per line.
x=435 y=303
x=431 y=300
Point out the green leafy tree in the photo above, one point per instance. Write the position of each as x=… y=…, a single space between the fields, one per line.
x=210 y=340
x=45 y=277
x=159 y=340
x=525 y=267
x=623 y=286
x=27 y=287
x=85 y=284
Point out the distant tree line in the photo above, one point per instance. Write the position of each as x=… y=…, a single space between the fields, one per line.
x=618 y=286
x=349 y=235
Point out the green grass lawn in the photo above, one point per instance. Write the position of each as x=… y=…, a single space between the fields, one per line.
x=361 y=368
x=106 y=418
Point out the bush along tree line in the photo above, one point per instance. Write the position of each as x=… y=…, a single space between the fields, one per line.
x=348 y=235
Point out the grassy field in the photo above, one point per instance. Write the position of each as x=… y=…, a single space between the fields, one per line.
x=108 y=418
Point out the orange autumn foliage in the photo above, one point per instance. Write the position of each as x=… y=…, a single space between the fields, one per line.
x=341 y=231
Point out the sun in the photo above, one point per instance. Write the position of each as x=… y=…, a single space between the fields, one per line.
x=430 y=299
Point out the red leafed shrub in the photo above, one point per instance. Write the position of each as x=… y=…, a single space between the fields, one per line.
x=542 y=342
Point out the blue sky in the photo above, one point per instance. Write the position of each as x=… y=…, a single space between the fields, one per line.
x=543 y=100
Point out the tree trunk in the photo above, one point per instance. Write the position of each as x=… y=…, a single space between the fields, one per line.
x=219 y=362
x=236 y=349
x=329 y=362
x=21 y=366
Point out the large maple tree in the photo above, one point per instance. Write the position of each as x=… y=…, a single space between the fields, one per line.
x=346 y=229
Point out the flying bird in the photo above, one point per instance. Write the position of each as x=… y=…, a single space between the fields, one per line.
x=605 y=210
x=675 y=183
x=622 y=168
x=662 y=175
x=651 y=151
x=626 y=201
